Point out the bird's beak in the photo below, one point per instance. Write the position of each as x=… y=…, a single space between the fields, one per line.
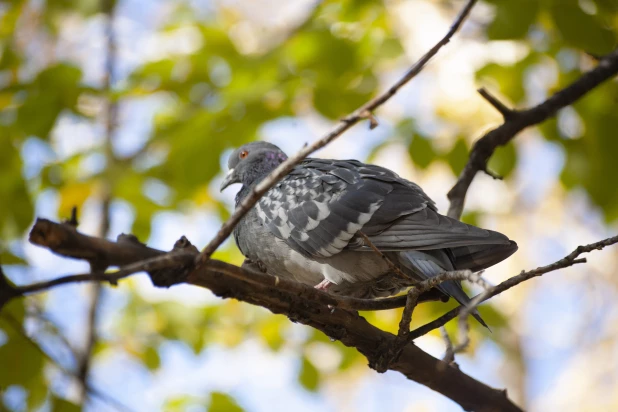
x=229 y=179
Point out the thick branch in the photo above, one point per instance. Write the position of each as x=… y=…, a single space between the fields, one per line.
x=364 y=112
x=299 y=302
x=134 y=257
x=354 y=331
x=516 y=121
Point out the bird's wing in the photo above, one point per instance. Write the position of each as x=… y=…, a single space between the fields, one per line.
x=426 y=229
x=322 y=204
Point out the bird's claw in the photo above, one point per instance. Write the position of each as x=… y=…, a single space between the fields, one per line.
x=323 y=285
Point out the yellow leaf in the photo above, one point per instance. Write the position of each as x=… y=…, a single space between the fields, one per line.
x=73 y=194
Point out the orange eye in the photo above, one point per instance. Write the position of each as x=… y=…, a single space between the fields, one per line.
x=243 y=154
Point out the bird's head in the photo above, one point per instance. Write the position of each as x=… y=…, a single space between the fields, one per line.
x=251 y=162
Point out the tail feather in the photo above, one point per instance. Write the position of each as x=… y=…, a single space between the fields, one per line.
x=454 y=289
x=479 y=257
x=428 y=264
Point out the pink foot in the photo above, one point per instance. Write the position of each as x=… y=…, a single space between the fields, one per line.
x=323 y=285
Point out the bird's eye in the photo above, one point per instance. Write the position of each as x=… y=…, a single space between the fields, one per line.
x=243 y=154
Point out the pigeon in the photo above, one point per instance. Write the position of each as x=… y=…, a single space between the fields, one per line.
x=313 y=224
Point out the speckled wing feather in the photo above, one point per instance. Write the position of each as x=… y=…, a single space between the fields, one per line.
x=322 y=204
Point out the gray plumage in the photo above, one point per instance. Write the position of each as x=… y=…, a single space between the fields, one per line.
x=306 y=227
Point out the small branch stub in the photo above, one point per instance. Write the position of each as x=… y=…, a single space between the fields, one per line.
x=505 y=111
x=7 y=292
x=72 y=221
x=373 y=122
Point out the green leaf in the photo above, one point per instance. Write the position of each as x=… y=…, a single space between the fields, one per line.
x=54 y=90
x=511 y=78
x=37 y=391
x=590 y=161
x=174 y=321
x=513 y=19
x=337 y=96
x=471 y=218
x=422 y=152
x=63 y=405
x=7 y=258
x=458 y=156
x=22 y=363
x=221 y=402
x=18 y=213
x=390 y=48
x=550 y=129
x=350 y=357
x=608 y=6
x=182 y=403
x=503 y=160
x=151 y=358
x=308 y=375
x=129 y=187
x=581 y=30
x=270 y=329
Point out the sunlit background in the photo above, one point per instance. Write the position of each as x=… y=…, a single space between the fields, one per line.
x=189 y=81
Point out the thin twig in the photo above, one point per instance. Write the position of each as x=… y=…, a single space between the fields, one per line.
x=464 y=326
x=389 y=262
x=108 y=8
x=96 y=392
x=165 y=261
x=491 y=173
x=521 y=119
x=392 y=353
x=411 y=302
x=408 y=310
x=37 y=313
x=83 y=369
x=456 y=275
x=362 y=113
x=570 y=260
x=449 y=353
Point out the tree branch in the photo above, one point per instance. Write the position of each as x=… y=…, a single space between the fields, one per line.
x=389 y=262
x=116 y=404
x=133 y=257
x=111 y=109
x=497 y=104
x=299 y=302
x=570 y=260
x=7 y=290
x=364 y=112
x=516 y=121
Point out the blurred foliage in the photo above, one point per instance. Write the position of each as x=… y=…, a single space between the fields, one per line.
x=220 y=93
